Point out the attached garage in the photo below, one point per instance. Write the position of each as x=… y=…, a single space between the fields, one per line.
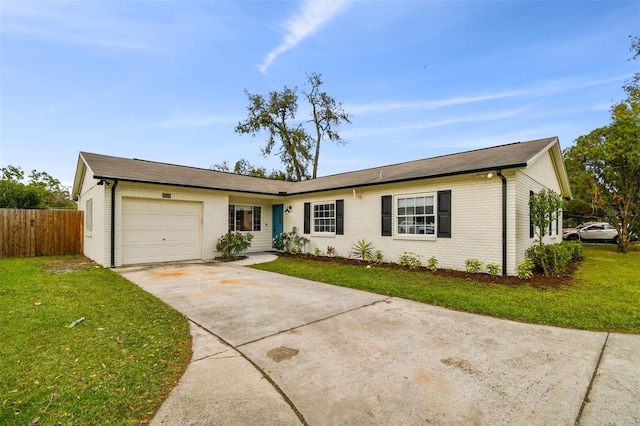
x=160 y=230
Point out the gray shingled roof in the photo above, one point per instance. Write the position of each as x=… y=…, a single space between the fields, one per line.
x=514 y=155
x=134 y=170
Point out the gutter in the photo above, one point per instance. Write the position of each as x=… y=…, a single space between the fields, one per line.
x=113 y=223
x=504 y=222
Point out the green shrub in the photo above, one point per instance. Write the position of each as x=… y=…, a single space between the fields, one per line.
x=231 y=244
x=363 y=250
x=473 y=266
x=410 y=260
x=557 y=257
x=290 y=242
x=494 y=269
x=378 y=257
x=316 y=252
x=432 y=264
x=525 y=269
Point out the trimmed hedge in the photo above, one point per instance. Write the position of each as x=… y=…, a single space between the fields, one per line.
x=558 y=257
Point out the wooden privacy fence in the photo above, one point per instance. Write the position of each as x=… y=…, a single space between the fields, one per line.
x=26 y=233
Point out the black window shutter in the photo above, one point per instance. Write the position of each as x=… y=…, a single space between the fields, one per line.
x=386 y=215
x=444 y=214
x=339 y=217
x=531 y=227
x=557 y=222
x=307 y=218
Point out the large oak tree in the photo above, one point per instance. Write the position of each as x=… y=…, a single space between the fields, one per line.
x=276 y=115
x=607 y=163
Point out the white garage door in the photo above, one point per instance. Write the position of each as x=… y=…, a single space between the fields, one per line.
x=160 y=230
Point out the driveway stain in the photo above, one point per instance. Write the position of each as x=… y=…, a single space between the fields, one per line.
x=421 y=375
x=282 y=353
x=459 y=363
x=238 y=281
x=171 y=273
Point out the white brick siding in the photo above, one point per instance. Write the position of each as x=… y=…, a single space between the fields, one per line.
x=539 y=175
x=476 y=221
x=94 y=240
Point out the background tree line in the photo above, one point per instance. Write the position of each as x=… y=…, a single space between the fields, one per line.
x=604 y=166
x=38 y=191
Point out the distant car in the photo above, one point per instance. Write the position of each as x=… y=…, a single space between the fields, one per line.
x=572 y=234
x=413 y=227
x=599 y=232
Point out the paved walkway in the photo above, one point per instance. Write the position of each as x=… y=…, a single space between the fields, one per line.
x=271 y=349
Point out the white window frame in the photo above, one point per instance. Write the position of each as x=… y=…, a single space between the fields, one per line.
x=327 y=221
x=399 y=218
x=256 y=225
x=88 y=216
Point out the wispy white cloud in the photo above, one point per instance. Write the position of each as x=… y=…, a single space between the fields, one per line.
x=540 y=89
x=310 y=18
x=115 y=25
x=385 y=107
x=428 y=124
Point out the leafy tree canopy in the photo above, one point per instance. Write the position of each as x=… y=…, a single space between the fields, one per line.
x=244 y=167
x=276 y=115
x=38 y=191
x=605 y=164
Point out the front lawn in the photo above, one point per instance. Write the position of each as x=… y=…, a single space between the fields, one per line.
x=114 y=367
x=604 y=294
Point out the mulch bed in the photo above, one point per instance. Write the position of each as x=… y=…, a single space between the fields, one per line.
x=538 y=280
x=63 y=266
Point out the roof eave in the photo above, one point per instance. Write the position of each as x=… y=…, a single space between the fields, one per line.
x=413 y=179
x=79 y=177
x=181 y=185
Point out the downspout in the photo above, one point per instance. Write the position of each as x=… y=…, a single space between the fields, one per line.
x=504 y=222
x=113 y=223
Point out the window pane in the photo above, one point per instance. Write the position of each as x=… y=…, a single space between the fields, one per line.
x=232 y=215
x=415 y=215
x=244 y=221
x=89 y=215
x=257 y=218
x=324 y=218
x=428 y=205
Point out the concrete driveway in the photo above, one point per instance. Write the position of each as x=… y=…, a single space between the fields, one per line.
x=270 y=349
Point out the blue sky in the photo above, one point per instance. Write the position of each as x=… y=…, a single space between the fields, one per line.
x=163 y=80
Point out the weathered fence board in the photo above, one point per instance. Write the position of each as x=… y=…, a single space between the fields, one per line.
x=26 y=233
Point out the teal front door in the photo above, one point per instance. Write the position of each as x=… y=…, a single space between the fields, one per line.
x=277 y=220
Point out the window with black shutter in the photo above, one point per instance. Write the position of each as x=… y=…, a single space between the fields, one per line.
x=386 y=215
x=444 y=214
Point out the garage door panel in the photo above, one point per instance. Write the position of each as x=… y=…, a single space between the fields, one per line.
x=132 y=237
x=143 y=222
x=160 y=230
x=190 y=222
x=133 y=206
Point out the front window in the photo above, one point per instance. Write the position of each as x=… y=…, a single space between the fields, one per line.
x=244 y=218
x=415 y=215
x=324 y=218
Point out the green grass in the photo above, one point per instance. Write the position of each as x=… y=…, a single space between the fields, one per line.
x=604 y=296
x=115 y=367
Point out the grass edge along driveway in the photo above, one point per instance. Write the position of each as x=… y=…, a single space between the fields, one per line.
x=117 y=366
x=604 y=296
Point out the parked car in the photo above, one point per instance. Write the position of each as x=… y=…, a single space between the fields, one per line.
x=413 y=226
x=572 y=234
x=599 y=232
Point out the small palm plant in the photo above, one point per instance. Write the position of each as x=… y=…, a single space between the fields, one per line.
x=363 y=250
